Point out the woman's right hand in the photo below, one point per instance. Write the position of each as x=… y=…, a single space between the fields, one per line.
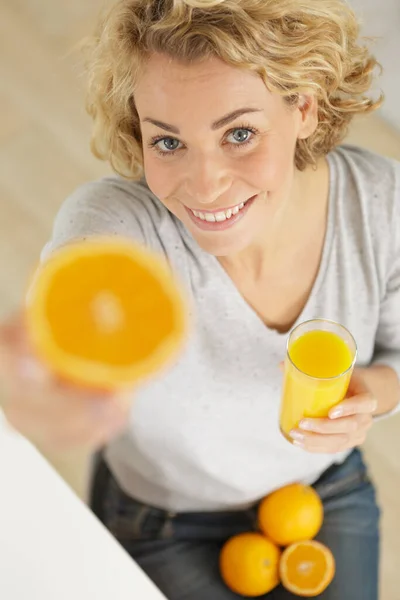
x=49 y=412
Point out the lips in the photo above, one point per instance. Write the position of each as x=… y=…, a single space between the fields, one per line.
x=221 y=219
x=218 y=216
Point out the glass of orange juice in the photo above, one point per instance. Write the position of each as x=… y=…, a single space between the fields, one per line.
x=320 y=358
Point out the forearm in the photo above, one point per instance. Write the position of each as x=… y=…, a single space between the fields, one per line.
x=384 y=384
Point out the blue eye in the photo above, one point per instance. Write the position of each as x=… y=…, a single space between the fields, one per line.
x=237 y=138
x=240 y=136
x=170 y=144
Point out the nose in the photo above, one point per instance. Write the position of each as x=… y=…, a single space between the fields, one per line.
x=207 y=179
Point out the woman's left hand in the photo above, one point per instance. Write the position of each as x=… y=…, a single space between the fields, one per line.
x=346 y=426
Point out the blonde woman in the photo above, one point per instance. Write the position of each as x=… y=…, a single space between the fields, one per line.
x=223 y=120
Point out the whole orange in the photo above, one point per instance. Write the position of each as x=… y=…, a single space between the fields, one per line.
x=249 y=564
x=291 y=514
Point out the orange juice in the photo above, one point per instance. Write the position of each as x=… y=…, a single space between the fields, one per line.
x=318 y=369
x=321 y=354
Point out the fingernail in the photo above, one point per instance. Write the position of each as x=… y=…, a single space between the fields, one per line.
x=336 y=413
x=304 y=424
x=297 y=443
x=297 y=435
x=374 y=406
x=30 y=369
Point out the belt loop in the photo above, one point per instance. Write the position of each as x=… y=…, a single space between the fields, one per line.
x=139 y=520
x=167 y=528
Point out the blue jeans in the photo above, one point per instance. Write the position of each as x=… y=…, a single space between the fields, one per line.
x=180 y=552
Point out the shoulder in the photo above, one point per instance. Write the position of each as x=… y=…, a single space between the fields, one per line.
x=371 y=178
x=368 y=207
x=112 y=197
x=369 y=188
x=115 y=206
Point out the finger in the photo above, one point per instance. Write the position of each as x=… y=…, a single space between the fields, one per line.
x=83 y=436
x=28 y=369
x=64 y=412
x=25 y=373
x=327 y=444
x=31 y=407
x=9 y=339
x=363 y=403
x=13 y=332
x=16 y=359
x=57 y=430
x=333 y=450
x=336 y=426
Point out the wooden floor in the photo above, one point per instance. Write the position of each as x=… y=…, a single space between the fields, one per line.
x=44 y=155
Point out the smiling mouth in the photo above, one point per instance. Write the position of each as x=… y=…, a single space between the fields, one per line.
x=219 y=220
x=221 y=215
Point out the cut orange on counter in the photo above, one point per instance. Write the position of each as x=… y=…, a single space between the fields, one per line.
x=105 y=313
x=292 y=514
x=249 y=565
x=307 y=568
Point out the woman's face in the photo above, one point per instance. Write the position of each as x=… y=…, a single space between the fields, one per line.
x=218 y=149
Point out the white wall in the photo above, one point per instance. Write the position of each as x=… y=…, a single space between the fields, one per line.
x=381 y=18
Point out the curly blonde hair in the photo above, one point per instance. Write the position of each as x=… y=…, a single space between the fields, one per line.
x=296 y=46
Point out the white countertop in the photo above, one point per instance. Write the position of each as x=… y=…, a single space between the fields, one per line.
x=51 y=546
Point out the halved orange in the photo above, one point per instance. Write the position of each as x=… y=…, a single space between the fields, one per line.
x=105 y=313
x=249 y=564
x=307 y=568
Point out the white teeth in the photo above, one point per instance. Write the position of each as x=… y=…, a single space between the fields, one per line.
x=218 y=217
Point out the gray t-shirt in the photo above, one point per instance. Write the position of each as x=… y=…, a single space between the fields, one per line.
x=204 y=435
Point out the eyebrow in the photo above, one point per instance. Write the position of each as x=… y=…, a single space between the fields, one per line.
x=216 y=125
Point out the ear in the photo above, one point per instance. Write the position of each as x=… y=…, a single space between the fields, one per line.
x=308 y=112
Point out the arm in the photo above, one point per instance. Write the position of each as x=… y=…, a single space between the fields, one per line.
x=384 y=384
x=374 y=390
x=383 y=376
x=104 y=207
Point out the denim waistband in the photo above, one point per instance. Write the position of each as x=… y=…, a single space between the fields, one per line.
x=126 y=517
